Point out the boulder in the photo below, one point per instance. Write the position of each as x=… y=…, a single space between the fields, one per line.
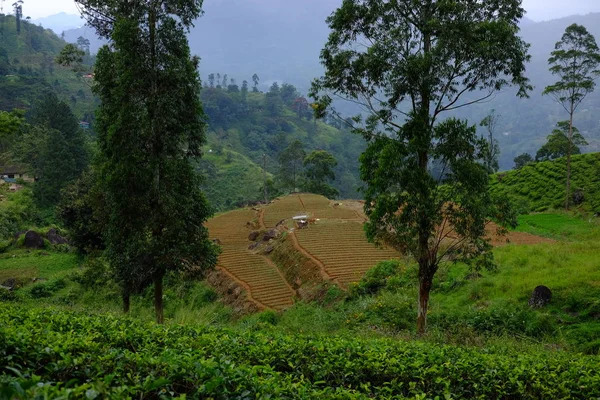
x=10 y=284
x=216 y=241
x=270 y=234
x=33 y=240
x=253 y=246
x=269 y=249
x=54 y=238
x=540 y=297
x=253 y=236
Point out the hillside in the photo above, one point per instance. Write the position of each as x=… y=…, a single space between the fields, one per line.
x=260 y=126
x=541 y=186
x=287 y=50
x=28 y=70
x=276 y=261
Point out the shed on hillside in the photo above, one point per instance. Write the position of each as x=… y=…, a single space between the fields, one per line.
x=10 y=173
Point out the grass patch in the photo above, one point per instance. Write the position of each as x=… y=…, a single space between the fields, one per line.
x=43 y=264
x=560 y=226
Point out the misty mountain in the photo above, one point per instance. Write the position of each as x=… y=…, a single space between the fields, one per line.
x=281 y=41
x=60 y=22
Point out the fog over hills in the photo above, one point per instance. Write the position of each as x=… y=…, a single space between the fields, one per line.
x=60 y=22
x=282 y=41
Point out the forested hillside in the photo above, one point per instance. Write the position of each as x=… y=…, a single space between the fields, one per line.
x=28 y=70
x=250 y=129
x=287 y=49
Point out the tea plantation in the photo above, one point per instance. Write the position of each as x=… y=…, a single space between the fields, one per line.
x=541 y=186
x=48 y=354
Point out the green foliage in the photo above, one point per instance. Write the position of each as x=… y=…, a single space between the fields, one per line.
x=95 y=273
x=318 y=171
x=7 y=295
x=28 y=69
x=10 y=125
x=540 y=186
x=41 y=348
x=46 y=289
x=421 y=59
x=245 y=126
x=559 y=145
x=81 y=211
x=230 y=184
x=290 y=170
x=575 y=61
x=377 y=278
x=55 y=148
x=522 y=160
x=559 y=226
x=17 y=213
x=156 y=209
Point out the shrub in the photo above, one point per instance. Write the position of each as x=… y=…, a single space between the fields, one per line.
x=46 y=289
x=95 y=273
x=7 y=295
x=376 y=278
x=268 y=317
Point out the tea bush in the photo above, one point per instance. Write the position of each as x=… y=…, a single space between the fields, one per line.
x=49 y=353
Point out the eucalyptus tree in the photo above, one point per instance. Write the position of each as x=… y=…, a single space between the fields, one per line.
x=576 y=61
x=150 y=127
x=490 y=123
x=407 y=63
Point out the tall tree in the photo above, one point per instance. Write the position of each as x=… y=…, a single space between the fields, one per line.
x=55 y=147
x=318 y=172
x=407 y=63
x=559 y=144
x=150 y=125
x=490 y=159
x=83 y=44
x=10 y=125
x=290 y=161
x=255 y=80
x=575 y=61
x=273 y=102
x=18 y=8
x=522 y=160
x=211 y=80
x=244 y=90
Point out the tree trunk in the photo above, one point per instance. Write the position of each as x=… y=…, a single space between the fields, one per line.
x=126 y=302
x=425 y=283
x=158 y=298
x=569 y=151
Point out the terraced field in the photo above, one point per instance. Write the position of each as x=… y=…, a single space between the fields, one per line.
x=283 y=208
x=336 y=241
x=261 y=278
x=343 y=249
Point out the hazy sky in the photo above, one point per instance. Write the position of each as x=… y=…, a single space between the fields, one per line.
x=538 y=10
